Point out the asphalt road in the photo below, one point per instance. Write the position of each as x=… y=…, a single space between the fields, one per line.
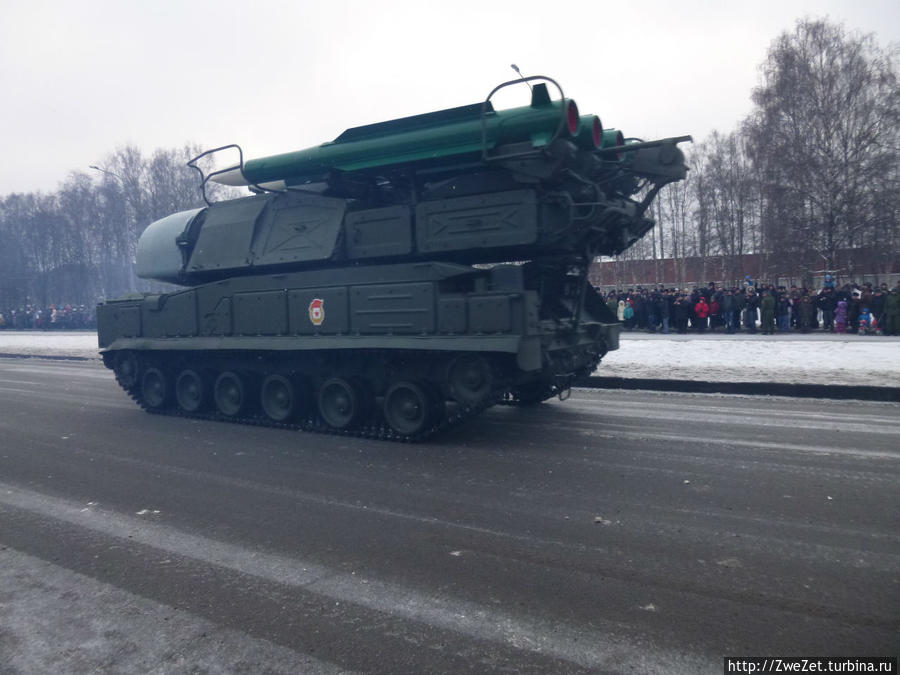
x=617 y=531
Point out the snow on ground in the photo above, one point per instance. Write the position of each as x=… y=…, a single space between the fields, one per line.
x=44 y=343
x=793 y=358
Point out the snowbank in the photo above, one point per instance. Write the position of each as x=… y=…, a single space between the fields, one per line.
x=81 y=344
x=796 y=359
x=793 y=358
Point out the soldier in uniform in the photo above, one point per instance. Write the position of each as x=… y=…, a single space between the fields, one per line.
x=751 y=304
x=891 y=320
x=726 y=307
x=805 y=313
x=876 y=306
x=767 y=305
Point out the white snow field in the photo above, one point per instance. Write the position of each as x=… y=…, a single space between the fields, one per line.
x=870 y=360
x=45 y=343
x=793 y=358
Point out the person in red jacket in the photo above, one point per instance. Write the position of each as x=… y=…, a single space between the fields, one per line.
x=714 y=314
x=701 y=310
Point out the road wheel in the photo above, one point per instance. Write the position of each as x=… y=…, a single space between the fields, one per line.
x=281 y=398
x=230 y=393
x=126 y=369
x=341 y=403
x=469 y=379
x=408 y=407
x=191 y=391
x=154 y=388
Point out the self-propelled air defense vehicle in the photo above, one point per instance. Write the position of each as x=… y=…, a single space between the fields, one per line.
x=396 y=280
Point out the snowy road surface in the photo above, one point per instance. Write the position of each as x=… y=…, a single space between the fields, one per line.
x=794 y=358
x=616 y=532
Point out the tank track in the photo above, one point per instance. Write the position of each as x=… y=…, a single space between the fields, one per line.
x=377 y=429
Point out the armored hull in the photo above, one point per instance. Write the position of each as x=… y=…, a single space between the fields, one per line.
x=397 y=297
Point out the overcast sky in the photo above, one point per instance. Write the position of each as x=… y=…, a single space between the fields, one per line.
x=80 y=78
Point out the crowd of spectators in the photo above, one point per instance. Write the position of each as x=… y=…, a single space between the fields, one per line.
x=55 y=317
x=864 y=309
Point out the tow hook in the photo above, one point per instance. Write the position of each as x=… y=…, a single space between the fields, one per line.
x=563 y=383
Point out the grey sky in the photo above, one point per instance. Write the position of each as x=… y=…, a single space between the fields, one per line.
x=80 y=78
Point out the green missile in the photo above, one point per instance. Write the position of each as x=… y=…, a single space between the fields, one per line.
x=612 y=138
x=590 y=133
x=466 y=132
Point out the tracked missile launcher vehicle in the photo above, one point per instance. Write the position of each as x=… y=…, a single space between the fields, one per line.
x=396 y=280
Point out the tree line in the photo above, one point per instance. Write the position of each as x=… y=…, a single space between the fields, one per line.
x=812 y=170
x=810 y=173
x=77 y=245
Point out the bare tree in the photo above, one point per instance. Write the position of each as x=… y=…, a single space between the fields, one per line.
x=726 y=195
x=78 y=244
x=675 y=214
x=825 y=133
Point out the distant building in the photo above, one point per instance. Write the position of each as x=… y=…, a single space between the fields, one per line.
x=787 y=269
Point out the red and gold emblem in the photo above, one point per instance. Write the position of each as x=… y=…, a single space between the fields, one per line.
x=317 y=311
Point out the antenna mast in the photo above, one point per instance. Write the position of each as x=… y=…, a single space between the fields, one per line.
x=519 y=73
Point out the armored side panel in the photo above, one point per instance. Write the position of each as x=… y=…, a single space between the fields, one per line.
x=452 y=315
x=393 y=308
x=484 y=221
x=376 y=233
x=223 y=242
x=260 y=312
x=490 y=314
x=262 y=232
x=297 y=229
x=171 y=315
x=214 y=309
x=120 y=318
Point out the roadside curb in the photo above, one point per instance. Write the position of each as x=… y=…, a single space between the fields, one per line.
x=49 y=357
x=832 y=391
